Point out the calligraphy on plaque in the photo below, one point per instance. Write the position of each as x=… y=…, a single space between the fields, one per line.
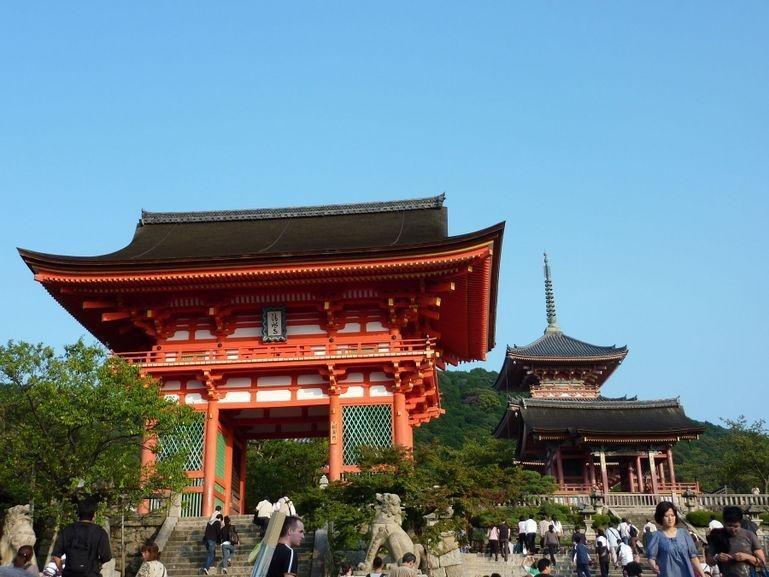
x=332 y=437
x=274 y=324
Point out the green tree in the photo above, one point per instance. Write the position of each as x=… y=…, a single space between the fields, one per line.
x=285 y=467
x=745 y=454
x=74 y=424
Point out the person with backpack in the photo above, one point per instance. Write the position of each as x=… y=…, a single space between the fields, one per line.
x=85 y=544
x=614 y=539
x=504 y=539
x=602 y=550
x=551 y=543
x=230 y=538
x=212 y=537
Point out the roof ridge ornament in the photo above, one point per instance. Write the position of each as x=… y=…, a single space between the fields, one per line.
x=552 y=317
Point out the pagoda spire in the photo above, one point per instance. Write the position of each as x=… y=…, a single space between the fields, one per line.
x=552 y=317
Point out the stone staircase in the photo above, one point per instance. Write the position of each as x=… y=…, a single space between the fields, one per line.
x=184 y=554
x=477 y=565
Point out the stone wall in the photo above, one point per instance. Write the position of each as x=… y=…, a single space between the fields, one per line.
x=138 y=531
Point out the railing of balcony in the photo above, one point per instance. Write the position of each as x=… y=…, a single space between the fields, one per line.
x=204 y=354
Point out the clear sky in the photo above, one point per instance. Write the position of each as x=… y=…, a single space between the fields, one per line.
x=628 y=139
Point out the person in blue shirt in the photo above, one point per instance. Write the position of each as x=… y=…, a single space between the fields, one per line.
x=582 y=556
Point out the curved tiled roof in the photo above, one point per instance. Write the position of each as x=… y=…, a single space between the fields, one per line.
x=556 y=345
x=586 y=418
x=266 y=233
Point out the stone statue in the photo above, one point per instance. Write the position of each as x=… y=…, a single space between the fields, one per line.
x=444 y=558
x=386 y=531
x=17 y=531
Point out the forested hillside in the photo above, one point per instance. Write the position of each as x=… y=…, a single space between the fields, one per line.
x=473 y=410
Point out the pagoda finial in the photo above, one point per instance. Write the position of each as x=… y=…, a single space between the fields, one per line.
x=552 y=317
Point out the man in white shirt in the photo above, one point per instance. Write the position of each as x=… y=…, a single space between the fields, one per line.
x=558 y=528
x=624 y=555
x=522 y=534
x=714 y=524
x=612 y=536
x=531 y=534
x=624 y=531
x=264 y=510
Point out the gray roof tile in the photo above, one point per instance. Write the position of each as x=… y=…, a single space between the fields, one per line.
x=556 y=345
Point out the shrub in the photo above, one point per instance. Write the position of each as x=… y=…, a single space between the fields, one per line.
x=702 y=517
x=604 y=521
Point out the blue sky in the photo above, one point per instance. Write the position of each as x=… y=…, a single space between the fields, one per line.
x=629 y=140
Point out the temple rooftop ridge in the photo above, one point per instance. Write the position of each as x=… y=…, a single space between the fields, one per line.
x=149 y=218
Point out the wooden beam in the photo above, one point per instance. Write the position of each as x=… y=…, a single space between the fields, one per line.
x=116 y=316
x=89 y=305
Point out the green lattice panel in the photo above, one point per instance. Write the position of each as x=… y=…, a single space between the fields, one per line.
x=192 y=504
x=189 y=439
x=365 y=425
x=221 y=454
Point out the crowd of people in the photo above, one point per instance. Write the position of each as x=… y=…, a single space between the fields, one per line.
x=732 y=548
x=548 y=532
x=220 y=532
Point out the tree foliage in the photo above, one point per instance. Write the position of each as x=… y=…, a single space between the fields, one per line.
x=745 y=454
x=74 y=424
x=473 y=409
x=278 y=468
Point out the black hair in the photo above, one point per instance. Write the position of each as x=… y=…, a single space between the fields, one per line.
x=662 y=508
x=290 y=522
x=718 y=541
x=732 y=514
x=543 y=564
x=378 y=563
x=633 y=569
x=409 y=558
x=86 y=509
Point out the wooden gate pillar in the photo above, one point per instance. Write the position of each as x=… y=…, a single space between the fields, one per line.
x=209 y=456
x=335 y=437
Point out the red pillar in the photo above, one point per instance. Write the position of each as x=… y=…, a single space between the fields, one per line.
x=631 y=477
x=640 y=473
x=242 y=488
x=401 y=426
x=229 y=440
x=592 y=471
x=653 y=473
x=559 y=467
x=661 y=474
x=671 y=466
x=604 y=473
x=209 y=456
x=147 y=460
x=409 y=435
x=334 y=437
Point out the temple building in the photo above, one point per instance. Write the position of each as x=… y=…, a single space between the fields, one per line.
x=564 y=427
x=323 y=321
